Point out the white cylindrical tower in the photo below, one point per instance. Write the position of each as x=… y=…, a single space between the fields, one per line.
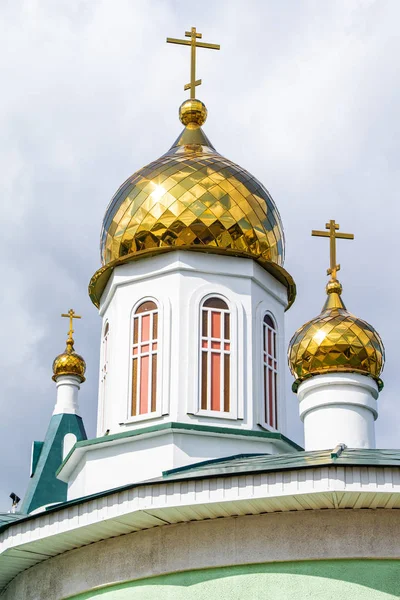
x=338 y=408
x=337 y=359
x=68 y=387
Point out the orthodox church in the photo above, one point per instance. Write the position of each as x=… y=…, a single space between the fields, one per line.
x=192 y=488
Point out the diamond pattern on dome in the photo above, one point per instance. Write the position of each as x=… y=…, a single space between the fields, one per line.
x=192 y=196
x=336 y=341
x=69 y=364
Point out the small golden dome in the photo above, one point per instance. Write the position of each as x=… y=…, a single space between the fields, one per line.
x=192 y=198
x=69 y=363
x=193 y=113
x=336 y=342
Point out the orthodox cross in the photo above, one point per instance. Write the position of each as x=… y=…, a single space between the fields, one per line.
x=333 y=235
x=71 y=316
x=194 y=36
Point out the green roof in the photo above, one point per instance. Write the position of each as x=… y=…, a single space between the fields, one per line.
x=253 y=463
x=44 y=487
x=9 y=518
x=242 y=464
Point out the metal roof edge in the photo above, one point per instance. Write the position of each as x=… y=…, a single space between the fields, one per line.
x=165 y=427
x=329 y=462
x=211 y=461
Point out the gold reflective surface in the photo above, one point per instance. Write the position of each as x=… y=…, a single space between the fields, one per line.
x=336 y=342
x=69 y=362
x=190 y=197
x=193 y=113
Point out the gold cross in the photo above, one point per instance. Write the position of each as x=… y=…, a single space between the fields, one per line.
x=71 y=316
x=333 y=235
x=194 y=36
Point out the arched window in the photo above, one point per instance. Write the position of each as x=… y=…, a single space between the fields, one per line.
x=104 y=366
x=104 y=359
x=105 y=343
x=270 y=372
x=144 y=359
x=215 y=356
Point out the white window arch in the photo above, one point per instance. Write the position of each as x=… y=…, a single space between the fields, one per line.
x=144 y=358
x=270 y=371
x=215 y=357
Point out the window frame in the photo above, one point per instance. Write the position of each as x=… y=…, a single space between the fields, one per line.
x=233 y=412
x=262 y=395
x=160 y=410
x=103 y=376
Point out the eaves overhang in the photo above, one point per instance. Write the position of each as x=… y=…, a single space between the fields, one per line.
x=100 y=279
x=172 y=500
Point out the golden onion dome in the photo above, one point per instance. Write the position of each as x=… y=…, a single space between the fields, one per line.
x=69 y=362
x=192 y=198
x=336 y=342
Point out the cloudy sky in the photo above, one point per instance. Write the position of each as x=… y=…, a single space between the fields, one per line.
x=305 y=94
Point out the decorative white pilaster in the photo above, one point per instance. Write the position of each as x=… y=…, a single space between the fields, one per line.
x=68 y=387
x=338 y=408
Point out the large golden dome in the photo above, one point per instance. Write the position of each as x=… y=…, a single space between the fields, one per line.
x=192 y=198
x=336 y=342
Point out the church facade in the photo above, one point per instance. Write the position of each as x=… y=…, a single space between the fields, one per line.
x=192 y=488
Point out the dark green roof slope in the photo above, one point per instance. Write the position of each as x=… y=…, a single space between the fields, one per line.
x=44 y=488
x=279 y=462
x=8 y=518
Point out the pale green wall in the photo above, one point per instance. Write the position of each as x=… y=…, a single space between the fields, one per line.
x=325 y=580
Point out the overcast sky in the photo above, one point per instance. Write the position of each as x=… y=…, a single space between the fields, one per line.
x=303 y=94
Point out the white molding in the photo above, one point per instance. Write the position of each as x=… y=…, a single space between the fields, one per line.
x=166 y=267
x=242 y=443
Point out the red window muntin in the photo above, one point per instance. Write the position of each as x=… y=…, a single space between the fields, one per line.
x=270 y=372
x=144 y=359
x=215 y=363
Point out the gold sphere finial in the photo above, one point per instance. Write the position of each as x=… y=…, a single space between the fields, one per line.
x=334 y=287
x=193 y=113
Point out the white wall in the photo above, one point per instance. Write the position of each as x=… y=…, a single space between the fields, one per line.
x=129 y=460
x=338 y=408
x=178 y=281
x=312 y=535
